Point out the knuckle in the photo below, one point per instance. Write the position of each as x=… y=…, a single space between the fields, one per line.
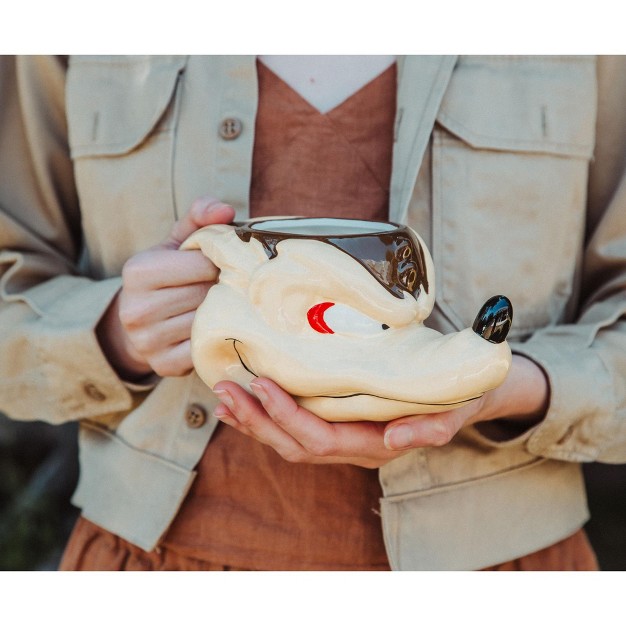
x=130 y=265
x=126 y=316
x=132 y=315
x=244 y=419
x=165 y=370
x=282 y=414
x=441 y=433
x=144 y=342
x=295 y=456
x=197 y=205
x=278 y=417
x=201 y=202
x=322 y=448
x=133 y=268
x=166 y=367
x=159 y=368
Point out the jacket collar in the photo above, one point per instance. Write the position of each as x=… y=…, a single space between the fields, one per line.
x=422 y=82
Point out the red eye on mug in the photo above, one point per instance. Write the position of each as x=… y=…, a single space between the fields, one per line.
x=330 y=318
x=315 y=315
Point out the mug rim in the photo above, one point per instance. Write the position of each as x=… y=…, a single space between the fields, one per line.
x=384 y=227
x=394 y=256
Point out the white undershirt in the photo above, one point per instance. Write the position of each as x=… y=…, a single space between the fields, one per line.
x=326 y=81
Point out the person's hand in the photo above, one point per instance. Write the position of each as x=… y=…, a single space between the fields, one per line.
x=147 y=327
x=521 y=401
x=299 y=436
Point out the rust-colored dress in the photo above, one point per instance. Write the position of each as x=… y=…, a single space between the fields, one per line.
x=248 y=508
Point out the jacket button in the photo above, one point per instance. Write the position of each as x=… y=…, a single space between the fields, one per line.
x=93 y=392
x=230 y=128
x=195 y=416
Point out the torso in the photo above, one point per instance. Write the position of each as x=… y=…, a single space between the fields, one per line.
x=248 y=507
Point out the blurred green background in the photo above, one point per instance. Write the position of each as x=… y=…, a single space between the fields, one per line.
x=39 y=469
x=38 y=473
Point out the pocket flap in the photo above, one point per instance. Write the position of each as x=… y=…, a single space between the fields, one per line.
x=531 y=104
x=113 y=103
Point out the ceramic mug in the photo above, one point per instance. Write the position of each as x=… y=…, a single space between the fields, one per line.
x=332 y=310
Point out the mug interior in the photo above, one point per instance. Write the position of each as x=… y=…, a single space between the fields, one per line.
x=323 y=226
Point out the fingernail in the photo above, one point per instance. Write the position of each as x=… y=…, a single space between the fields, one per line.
x=399 y=437
x=225 y=397
x=259 y=391
x=223 y=416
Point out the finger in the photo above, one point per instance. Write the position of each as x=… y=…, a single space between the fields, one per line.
x=317 y=436
x=420 y=431
x=251 y=415
x=160 y=337
x=259 y=425
x=203 y=212
x=156 y=306
x=222 y=413
x=158 y=268
x=173 y=361
x=171 y=301
x=313 y=433
x=253 y=425
x=178 y=300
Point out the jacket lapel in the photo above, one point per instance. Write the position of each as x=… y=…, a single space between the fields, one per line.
x=422 y=82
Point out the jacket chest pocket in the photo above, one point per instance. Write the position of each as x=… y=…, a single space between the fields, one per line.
x=511 y=148
x=122 y=114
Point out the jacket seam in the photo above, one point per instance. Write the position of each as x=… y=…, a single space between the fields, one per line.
x=109 y=434
x=471 y=481
x=525 y=145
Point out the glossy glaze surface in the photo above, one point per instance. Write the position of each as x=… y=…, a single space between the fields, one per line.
x=390 y=252
x=334 y=314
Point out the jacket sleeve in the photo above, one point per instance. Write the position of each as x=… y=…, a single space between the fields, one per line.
x=585 y=361
x=51 y=365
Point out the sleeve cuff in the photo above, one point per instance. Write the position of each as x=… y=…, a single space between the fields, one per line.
x=65 y=374
x=580 y=389
x=147 y=383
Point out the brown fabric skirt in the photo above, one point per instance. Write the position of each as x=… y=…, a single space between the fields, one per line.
x=92 y=548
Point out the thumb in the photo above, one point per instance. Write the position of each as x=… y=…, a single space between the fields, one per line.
x=203 y=212
x=431 y=429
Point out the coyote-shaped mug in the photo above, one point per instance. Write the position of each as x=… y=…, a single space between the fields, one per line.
x=332 y=310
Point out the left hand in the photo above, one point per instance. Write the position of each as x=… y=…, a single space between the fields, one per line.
x=299 y=436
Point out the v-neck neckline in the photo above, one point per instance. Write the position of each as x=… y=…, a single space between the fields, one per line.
x=312 y=107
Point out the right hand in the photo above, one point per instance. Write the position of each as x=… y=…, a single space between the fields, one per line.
x=147 y=327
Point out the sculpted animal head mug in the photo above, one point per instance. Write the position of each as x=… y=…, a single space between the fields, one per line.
x=332 y=310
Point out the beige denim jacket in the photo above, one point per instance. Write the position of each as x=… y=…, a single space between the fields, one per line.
x=510 y=167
